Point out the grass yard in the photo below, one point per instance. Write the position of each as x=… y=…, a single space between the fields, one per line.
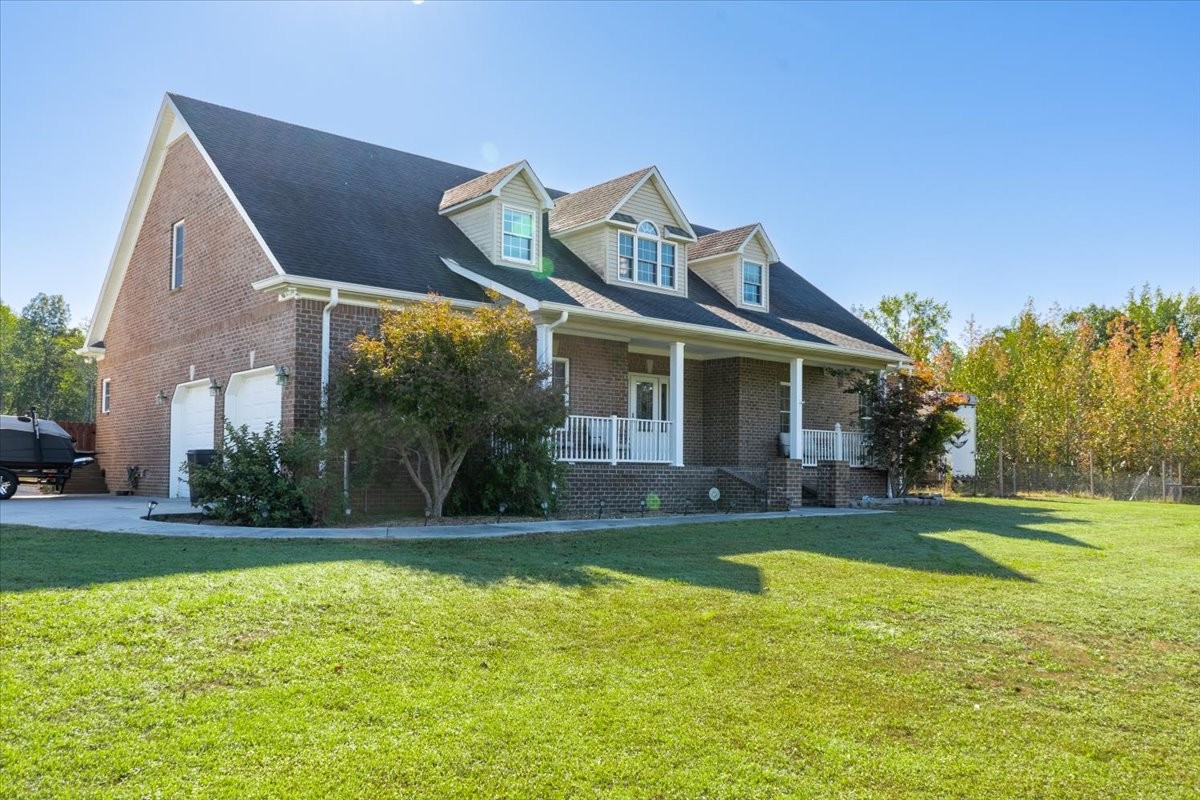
x=1036 y=648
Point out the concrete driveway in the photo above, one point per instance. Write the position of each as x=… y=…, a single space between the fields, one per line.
x=114 y=514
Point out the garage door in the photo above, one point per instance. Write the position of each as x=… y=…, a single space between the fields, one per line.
x=192 y=410
x=253 y=399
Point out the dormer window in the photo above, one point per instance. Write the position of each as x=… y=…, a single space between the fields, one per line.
x=643 y=257
x=752 y=283
x=518 y=235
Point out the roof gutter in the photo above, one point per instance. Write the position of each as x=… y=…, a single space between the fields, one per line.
x=741 y=336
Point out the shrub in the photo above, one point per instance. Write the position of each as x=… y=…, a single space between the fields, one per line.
x=518 y=470
x=255 y=479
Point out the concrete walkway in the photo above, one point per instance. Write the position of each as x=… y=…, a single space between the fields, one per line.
x=124 y=515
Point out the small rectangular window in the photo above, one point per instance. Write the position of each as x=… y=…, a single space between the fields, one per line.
x=518 y=235
x=647 y=264
x=752 y=279
x=667 y=273
x=105 y=395
x=625 y=256
x=177 y=255
x=561 y=378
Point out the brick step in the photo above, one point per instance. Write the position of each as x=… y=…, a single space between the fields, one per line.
x=86 y=480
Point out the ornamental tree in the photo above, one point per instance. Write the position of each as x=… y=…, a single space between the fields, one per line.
x=436 y=382
x=908 y=424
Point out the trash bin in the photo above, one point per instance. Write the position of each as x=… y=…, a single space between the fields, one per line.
x=198 y=458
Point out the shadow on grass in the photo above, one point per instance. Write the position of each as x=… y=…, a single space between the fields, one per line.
x=701 y=555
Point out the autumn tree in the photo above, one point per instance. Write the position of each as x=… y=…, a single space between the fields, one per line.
x=908 y=424
x=917 y=325
x=435 y=383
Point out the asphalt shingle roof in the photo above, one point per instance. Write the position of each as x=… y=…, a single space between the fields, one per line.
x=476 y=187
x=593 y=203
x=339 y=209
x=719 y=243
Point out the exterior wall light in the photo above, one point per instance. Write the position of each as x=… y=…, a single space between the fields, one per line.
x=161 y=397
x=214 y=388
x=281 y=374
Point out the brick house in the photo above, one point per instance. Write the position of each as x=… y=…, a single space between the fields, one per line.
x=253 y=250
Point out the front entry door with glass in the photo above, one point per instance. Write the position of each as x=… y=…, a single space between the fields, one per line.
x=649 y=431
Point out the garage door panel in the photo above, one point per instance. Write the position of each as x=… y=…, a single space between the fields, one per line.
x=254 y=399
x=192 y=428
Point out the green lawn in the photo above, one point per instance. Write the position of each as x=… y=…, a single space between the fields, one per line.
x=1038 y=648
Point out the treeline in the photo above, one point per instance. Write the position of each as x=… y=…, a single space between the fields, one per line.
x=38 y=363
x=1082 y=400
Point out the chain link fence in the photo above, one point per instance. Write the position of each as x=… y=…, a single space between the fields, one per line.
x=1152 y=483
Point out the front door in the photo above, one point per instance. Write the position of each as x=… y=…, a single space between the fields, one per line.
x=649 y=432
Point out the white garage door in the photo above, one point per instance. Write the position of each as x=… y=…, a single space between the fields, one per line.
x=253 y=399
x=192 y=410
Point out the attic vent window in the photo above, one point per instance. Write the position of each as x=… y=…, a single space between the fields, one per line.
x=654 y=263
x=518 y=235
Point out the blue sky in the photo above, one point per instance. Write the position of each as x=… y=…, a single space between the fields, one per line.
x=980 y=154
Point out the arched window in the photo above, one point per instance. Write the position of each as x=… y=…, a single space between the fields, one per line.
x=643 y=258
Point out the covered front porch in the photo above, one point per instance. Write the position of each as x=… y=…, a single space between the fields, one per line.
x=642 y=440
x=635 y=399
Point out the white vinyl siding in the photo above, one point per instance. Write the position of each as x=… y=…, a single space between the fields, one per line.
x=591 y=246
x=724 y=274
x=477 y=224
x=518 y=195
x=483 y=224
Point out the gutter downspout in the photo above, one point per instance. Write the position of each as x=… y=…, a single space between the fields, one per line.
x=325 y=314
x=545 y=340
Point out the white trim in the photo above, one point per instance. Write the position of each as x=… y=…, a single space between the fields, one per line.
x=637 y=235
x=772 y=253
x=675 y=403
x=298 y=287
x=487 y=283
x=533 y=234
x=665 y=190
x=169 y=118
x=762 y=284
x=177 y=254
x=106 y=396
x=545 y=201
x=566 y=362
x=780 y=342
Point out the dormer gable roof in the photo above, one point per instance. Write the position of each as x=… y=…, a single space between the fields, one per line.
x=731 y=241
x=490 y=185
x=603 y=202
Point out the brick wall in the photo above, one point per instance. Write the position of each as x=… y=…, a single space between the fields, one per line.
x=622 y=487
x=599 y=375
x=214 y=323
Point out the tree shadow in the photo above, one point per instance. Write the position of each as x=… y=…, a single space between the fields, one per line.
x=707 y=555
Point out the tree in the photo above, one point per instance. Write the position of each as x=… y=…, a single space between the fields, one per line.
x=40 y=367
x=914 y=324
x=435 y=382
x=908 y=426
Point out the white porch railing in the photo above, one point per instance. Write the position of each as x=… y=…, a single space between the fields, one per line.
x=613 y=439
x=835 y=445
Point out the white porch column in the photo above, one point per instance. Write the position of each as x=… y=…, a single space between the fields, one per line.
x=545 y=348
x=796 y=411
x=675 y=409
